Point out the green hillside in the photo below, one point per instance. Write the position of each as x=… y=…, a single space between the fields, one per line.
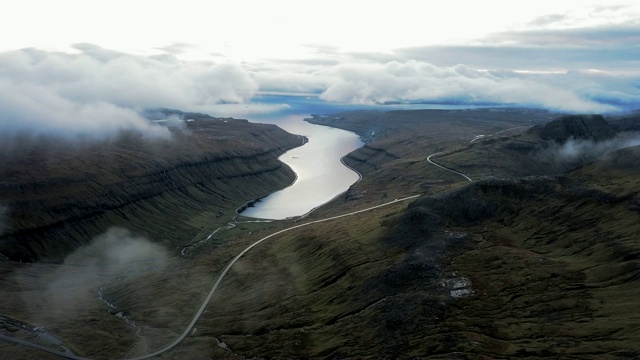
x=536 y=257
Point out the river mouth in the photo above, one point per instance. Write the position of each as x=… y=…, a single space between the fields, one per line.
x=321 y=175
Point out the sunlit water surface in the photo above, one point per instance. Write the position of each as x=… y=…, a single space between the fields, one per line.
x=321 y=175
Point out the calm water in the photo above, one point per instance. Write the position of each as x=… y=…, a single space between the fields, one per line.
x=321 y=175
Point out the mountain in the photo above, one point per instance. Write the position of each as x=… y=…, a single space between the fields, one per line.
x=585 y=127
x=626 y=122
x=537 y=256
x=61 y=193
x=541 y=266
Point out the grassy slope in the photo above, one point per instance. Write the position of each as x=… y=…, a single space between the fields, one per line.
x=552 y=262
x=394 y=158
x=60 y=196
x=553 y=270
x=172 y=191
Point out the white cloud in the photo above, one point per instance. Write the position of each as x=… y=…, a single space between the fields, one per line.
x=36 y=109
x=116 y=253
x=414 y=81
x=291 y=81
x=587 y=15
x=575 y=149
x=98 y=92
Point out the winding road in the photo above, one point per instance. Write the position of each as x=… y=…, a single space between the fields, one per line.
x=446 y=168
x=206 y=301
x=215 y=286
x=478 y=137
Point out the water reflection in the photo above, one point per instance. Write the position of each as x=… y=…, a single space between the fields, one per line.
x=321 y=175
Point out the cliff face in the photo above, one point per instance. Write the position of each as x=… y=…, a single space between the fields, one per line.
x=587 y=127
x=58 y=195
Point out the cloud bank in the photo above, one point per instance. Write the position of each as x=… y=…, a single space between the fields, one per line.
x=415 y=81
x=98 y=92
x=579 y=69
x=553 y=63
x=579 y=149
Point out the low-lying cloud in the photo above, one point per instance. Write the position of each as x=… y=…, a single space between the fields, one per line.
x=116 y=253
x=575 y=149
x=415 y=81
x=99 y=92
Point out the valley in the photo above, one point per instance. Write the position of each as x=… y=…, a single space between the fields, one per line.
x=534 y=257
x=68 y=192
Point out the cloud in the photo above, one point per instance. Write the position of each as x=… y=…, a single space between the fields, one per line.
x=595 y=40
x=176 y=48
x=603 y=38
x=415 y=81
x=286 y=80
x=584 y=149
x=546 y=20
x=99 y=92
x=116 y=253
x=36 y=109
x=541 y=51
x=583 y=69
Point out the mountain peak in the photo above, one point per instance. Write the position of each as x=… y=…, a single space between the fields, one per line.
x=588 y=127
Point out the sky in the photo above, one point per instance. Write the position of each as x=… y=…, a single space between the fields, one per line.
x=92 y=66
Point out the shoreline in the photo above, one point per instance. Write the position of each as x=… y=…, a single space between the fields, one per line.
x=252 y=203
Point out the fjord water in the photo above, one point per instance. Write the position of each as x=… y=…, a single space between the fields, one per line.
x=321 y=176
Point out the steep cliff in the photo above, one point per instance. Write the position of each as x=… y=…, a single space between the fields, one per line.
x=58 y=194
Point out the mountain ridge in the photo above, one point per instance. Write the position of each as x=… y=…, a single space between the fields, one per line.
x=75 y=194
